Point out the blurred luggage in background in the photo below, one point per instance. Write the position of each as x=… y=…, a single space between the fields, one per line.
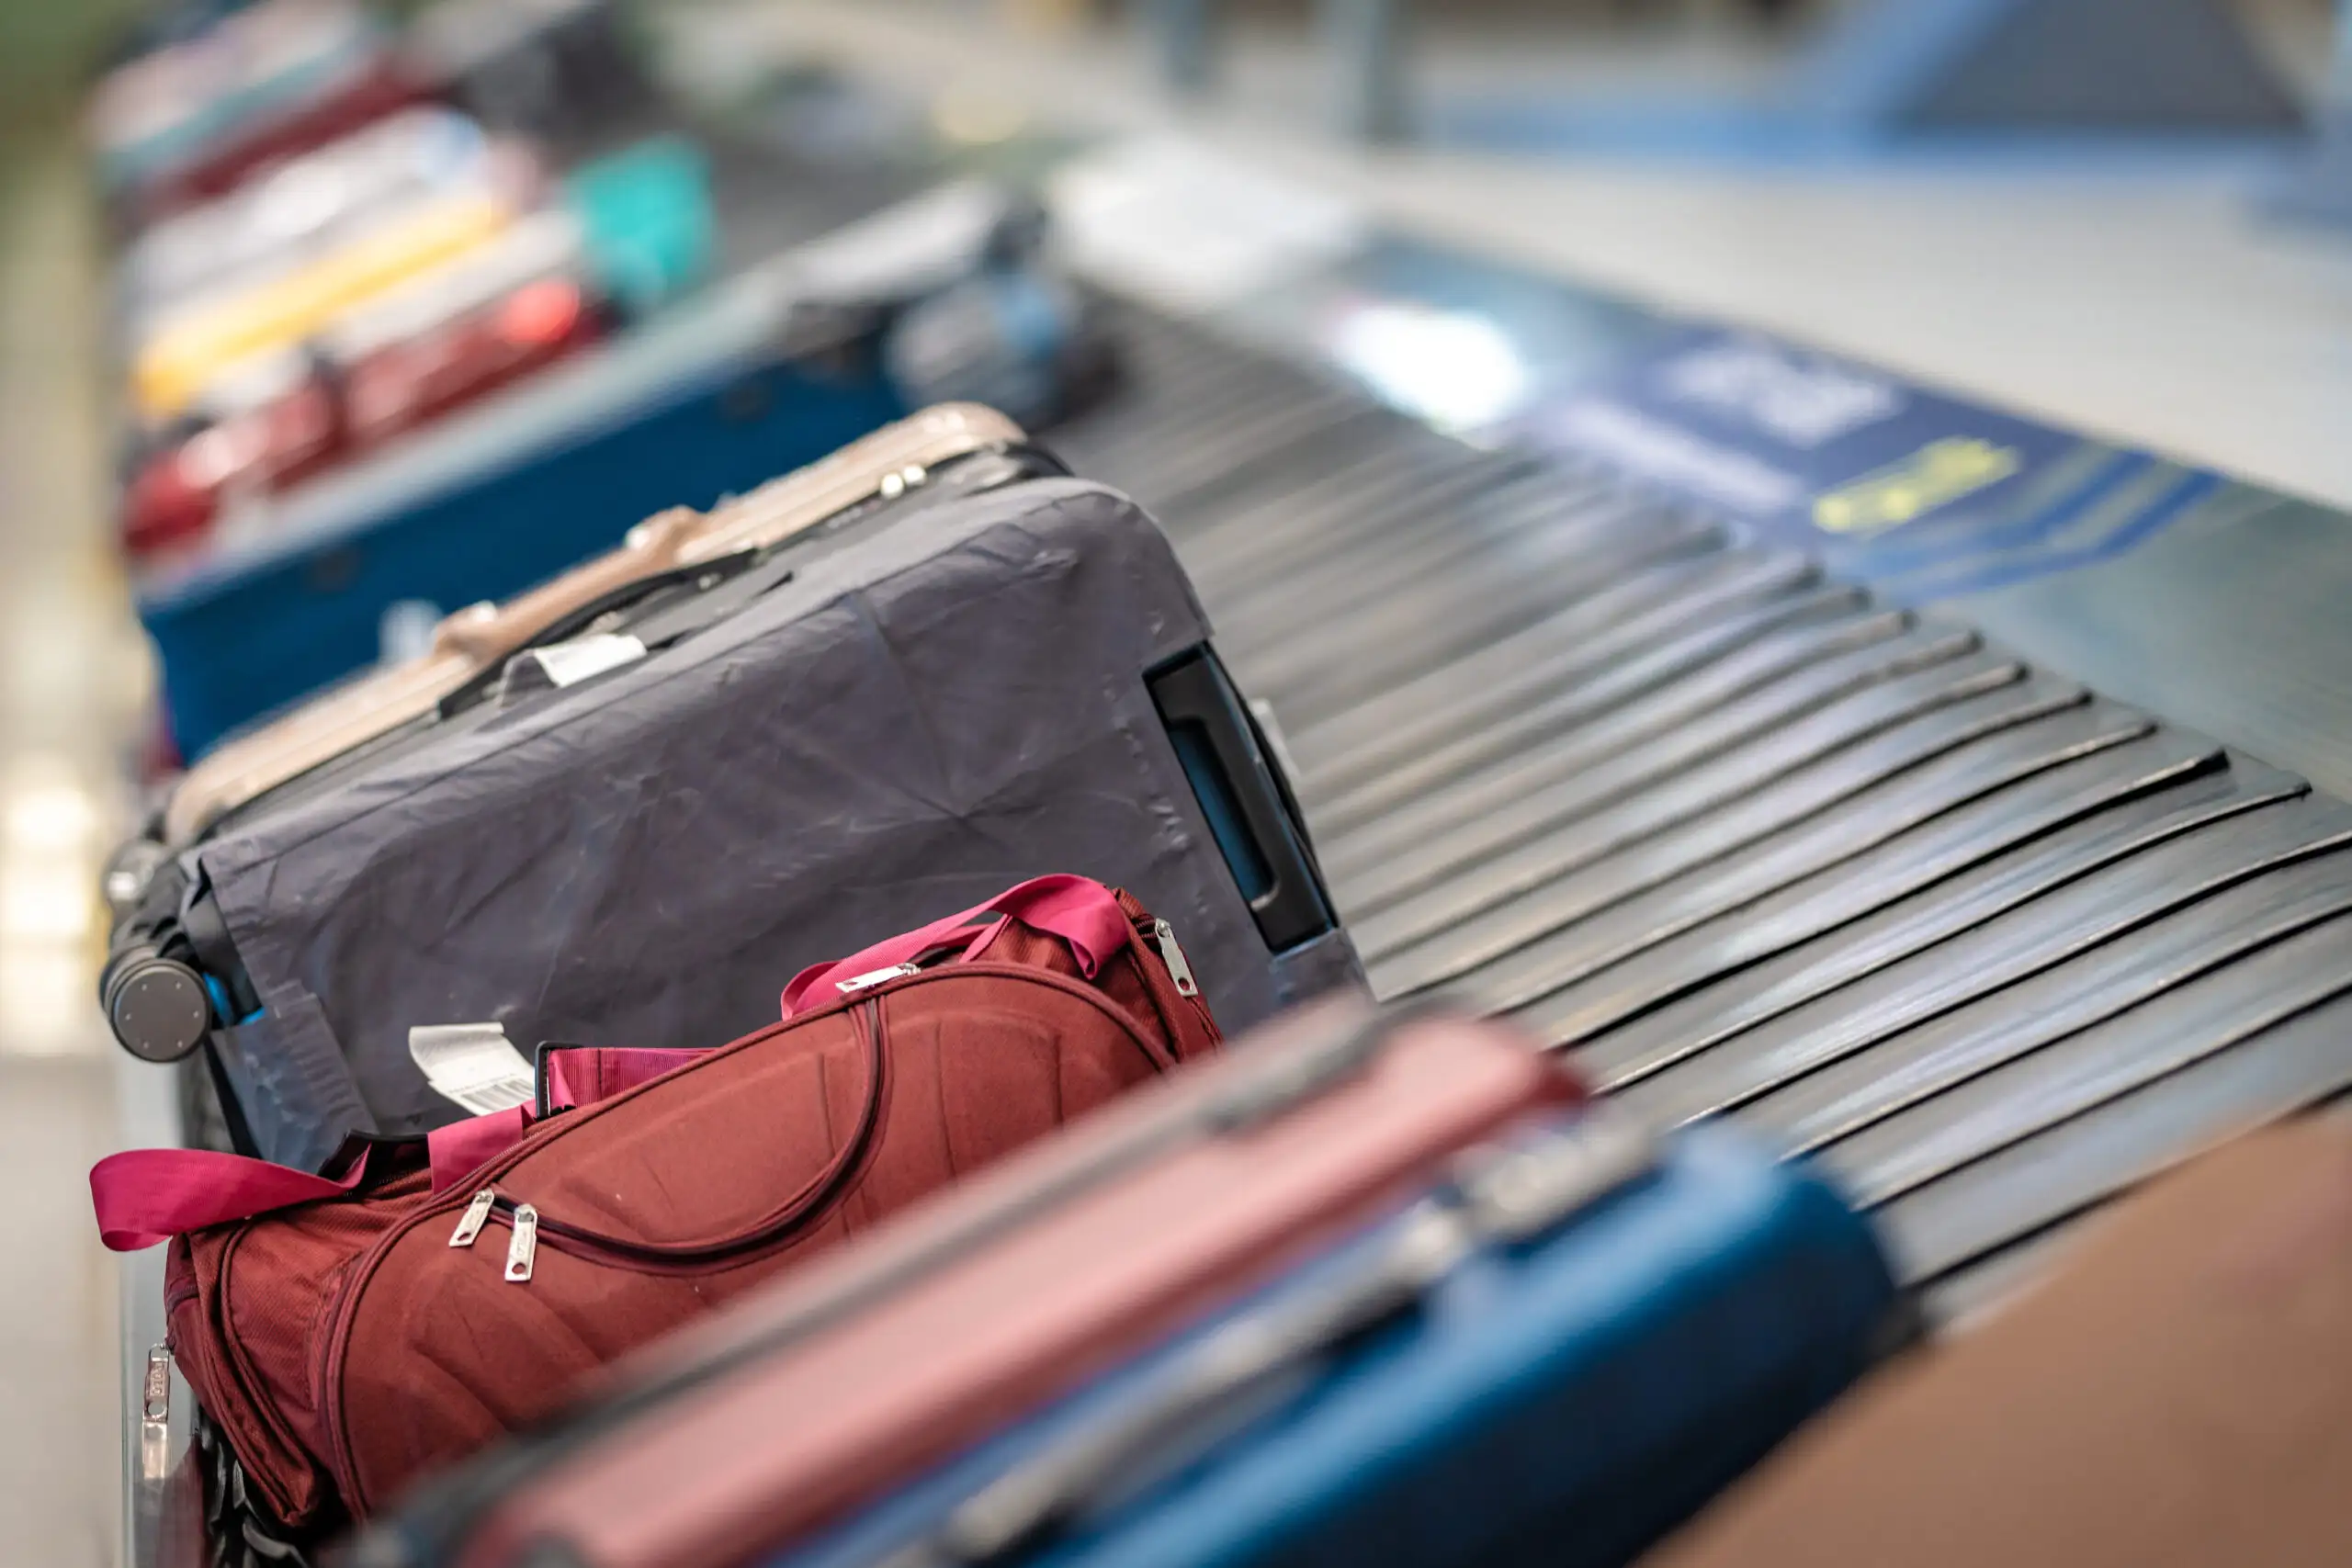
x=319 y=269
x=196 y=117
x=246 y=87
x=293 y=210
x=437 y=276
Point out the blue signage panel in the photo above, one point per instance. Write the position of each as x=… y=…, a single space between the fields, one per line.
x=1922 y=495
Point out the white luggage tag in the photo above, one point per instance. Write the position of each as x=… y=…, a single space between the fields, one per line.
x=472 y=1064
x=562 y=664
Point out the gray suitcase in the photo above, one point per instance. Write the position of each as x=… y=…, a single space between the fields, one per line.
x=991 y=672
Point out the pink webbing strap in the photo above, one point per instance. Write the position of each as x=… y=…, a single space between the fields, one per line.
x=463 y=1147
x=1081 y=912
x=144 y=1196
x=583 y=1075
x=577 y=1075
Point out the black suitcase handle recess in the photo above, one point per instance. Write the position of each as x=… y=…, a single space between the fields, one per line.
x=1243 y=795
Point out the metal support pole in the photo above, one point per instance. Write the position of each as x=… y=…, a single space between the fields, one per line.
x=2337 y=110
x=2321 y=189
x=1365 y=41
x=1182 y=34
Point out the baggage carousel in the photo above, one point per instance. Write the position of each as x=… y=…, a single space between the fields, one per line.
x=1742 y=834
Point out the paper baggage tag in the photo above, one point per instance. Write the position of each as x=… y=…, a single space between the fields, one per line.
x=472 y=1064
x=1183 y=226
x=565 y=663
x=562 y=664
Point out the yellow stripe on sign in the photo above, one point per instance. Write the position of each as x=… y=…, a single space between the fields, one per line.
x=173 y=368
x=1935 y=475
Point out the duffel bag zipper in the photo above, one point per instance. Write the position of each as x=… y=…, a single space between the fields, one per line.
x=477 y=1215
x=915 y=965
x=1171 y=955
x=525 y=1222
x=874 y=978
x=343 y=1305
x=488 y=1203
x=1160 y=937
x=523 y=1246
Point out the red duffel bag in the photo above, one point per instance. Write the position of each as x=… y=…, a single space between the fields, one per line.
x=346 y=1335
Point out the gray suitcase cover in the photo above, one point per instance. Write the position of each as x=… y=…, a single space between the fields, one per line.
x=918 y=719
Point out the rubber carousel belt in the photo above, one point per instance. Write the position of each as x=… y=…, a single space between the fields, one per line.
x=1743 y=842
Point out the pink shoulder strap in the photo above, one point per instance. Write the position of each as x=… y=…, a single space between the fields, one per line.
x=146 y=1196
x=1081 y=912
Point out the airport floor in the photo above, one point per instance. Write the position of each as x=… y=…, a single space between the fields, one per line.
x=72 y=680
x=2146 y=302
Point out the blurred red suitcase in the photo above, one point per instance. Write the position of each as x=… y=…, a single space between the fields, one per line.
x=195 y=118
x=819 y=1397
x=337 y=410
x=382 y=87
x=2178 y=1395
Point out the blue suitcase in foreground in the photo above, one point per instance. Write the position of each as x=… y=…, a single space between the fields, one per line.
x=766 y=372
x=1556 y=1360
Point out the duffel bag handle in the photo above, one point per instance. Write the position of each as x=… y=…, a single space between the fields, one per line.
x=1080 y=911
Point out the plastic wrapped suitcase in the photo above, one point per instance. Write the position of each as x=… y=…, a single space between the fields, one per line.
x=631 y=804
x=1548 y=1344
x=767 y=370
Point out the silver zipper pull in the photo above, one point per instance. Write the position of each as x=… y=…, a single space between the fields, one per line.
x=874 y=978
x=525 y=1245
x=155 y=1419
x=477 y=1215
x=1173 y=957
